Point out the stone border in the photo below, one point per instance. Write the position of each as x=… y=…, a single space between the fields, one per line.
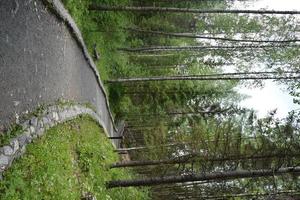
x=36 y=127
x=59 y=10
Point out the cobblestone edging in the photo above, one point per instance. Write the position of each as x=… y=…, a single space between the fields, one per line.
x=59 y=10
x=37 y=126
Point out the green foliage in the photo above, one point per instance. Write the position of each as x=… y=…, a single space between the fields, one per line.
x=105 y=30
x=13 y=131
x=147 y=107
x=102 y=29
x=68 y=162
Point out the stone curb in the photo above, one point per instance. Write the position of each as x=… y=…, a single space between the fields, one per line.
x=59 y=10
x=36 y=127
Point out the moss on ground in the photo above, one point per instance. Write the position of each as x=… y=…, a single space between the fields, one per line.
x=69 y=161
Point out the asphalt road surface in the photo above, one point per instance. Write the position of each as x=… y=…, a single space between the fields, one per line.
x=40 y=63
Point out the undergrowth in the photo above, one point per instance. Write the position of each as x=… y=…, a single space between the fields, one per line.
x=69 y=162
x=104 y=29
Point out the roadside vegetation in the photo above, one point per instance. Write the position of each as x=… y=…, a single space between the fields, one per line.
x=69 y=162
x=103 y=30
x=172 y=77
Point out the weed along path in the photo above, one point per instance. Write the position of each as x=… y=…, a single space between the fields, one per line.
x=43 y=59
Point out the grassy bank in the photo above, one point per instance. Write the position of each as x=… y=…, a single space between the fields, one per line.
x=104 y=30
x=69 y=162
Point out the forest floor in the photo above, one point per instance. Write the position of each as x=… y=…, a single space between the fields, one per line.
x=67 y=163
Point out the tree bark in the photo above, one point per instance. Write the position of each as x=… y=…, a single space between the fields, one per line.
x=191 y=158
x=224 y=76
x=187 y=33
x=201 y=48
x=197 y=196
x=289 y=192
x=203 y=177
x=99 y=7
x=191 y=35
x=210 y=112
x=182 y=143
x=146 y=147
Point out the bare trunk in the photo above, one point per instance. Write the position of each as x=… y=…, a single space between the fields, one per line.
x=289 y=192
x=191 y=35
x=100 y=7
x=203 y=177
x=201 y=48
x=185 y=143
x=224 y=76
x=211 y=112
x=147 y=147
x=192 y=157
x=196 y=195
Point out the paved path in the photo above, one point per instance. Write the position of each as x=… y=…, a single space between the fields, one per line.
x=41 y=62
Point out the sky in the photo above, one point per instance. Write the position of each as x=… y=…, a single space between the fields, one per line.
x=272 y=96
x=272 y=4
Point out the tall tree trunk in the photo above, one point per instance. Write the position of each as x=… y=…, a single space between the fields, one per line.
x=174 y=92
x=210 y=112
x=192 y=157
x=146 y=148
x=224 y=76
x=196 y=195
x=155 y=55
x=256 y=195
x=202 y=48
x=191 y=35
x=186 y=33
x=99 y=7
x=203 y=177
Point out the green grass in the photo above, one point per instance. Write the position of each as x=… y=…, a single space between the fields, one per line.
x=13 y=132
x=70 y=160
x=103 y=29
